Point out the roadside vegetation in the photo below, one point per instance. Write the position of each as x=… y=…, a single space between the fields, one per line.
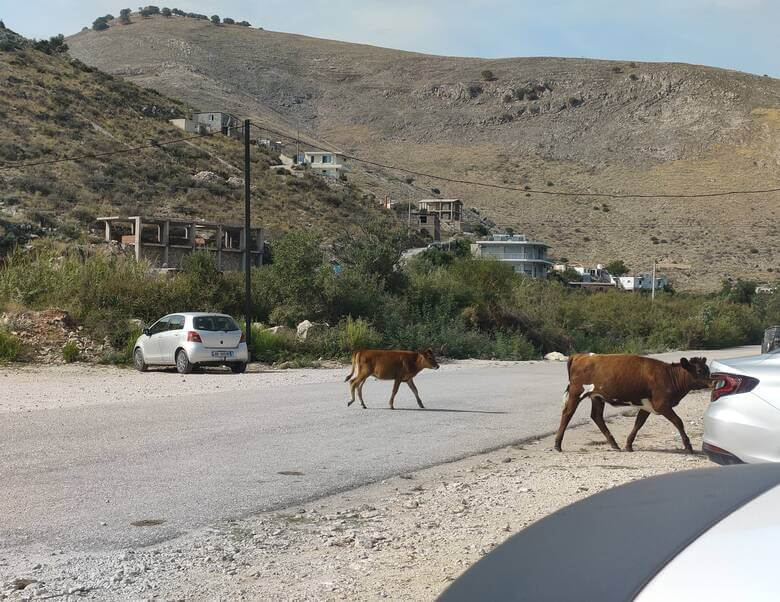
x=460 y=306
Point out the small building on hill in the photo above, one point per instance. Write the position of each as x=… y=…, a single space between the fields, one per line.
x=165 y=242
x=210 y=122
x=326 y=163
x=450 y=211
x=525 y=256
x=427 y=224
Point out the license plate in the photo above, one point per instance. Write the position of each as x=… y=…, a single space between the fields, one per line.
x=221 y=354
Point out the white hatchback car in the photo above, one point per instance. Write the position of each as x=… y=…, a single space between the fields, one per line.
x=742 y=422
x=189 y=340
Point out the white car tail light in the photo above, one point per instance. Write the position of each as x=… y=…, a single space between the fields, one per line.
x=729 y=384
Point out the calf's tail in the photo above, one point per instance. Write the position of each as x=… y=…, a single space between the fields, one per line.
x=354 y=357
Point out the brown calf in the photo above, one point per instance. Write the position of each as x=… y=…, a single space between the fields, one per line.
x=622 y=380
x=399 y=366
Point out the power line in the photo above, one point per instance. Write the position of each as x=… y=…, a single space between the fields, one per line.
x=115 y=152
x=531 y=190
x=8 y=166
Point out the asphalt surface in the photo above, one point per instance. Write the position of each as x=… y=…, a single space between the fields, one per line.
x=76 y=478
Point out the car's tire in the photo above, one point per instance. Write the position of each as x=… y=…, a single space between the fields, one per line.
x=238 y=368
x=183 y=364
x=138 y=360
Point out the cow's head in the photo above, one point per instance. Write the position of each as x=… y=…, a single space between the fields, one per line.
x=428 y=359
x=697 y=368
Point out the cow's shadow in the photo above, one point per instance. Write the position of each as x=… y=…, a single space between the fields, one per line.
x=385 y=409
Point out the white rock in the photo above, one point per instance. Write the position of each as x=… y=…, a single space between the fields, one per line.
x=555 y=356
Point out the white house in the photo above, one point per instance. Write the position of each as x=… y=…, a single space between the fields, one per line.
x=323 y=162
x=210 y=122
x=525 y=256
x=642 y=282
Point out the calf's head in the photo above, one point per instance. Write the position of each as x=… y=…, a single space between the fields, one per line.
x=428 y=359
x=697 y=368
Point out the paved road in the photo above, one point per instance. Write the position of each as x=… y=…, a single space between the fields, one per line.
x=74 y=478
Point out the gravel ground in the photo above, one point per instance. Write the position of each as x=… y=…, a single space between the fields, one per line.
x=73 y=385
x=404 y=538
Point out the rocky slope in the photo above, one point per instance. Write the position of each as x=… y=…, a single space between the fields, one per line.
x=54 y=106
x=549 y=124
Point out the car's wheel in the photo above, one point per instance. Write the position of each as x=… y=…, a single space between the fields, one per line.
x=183 y=364
x=238 y=368
x=138 y=360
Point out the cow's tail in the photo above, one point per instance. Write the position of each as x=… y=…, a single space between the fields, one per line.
x=354 y=361
x=568 y=372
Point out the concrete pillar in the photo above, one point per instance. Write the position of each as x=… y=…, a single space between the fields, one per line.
x=108 y=231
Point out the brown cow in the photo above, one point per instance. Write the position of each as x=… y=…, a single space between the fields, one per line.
x=400 y=366
x=622 y=380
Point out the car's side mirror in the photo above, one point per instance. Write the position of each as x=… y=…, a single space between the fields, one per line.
x=147 y=332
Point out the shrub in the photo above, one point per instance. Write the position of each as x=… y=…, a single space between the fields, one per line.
x=488 y=75
x=166 y=12
x=124 y=16
x=268 y=347
x=99 y=24
x=359 y=334
x=617 y=268
x=70 y=352
x=228 y=21
x=10 y=347
x=244 y=23
x=475 y=90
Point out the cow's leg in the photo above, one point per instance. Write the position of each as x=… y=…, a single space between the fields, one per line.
x=571 y=401
x=396 y=384
x=412 y=386
x=676 y=421
x=597 y=415
x=640 y=420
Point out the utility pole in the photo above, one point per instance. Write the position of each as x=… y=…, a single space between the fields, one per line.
x=247 y=240
x=652 y=295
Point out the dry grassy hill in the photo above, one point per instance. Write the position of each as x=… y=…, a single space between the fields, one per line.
x=53 y=106
x=547 y=123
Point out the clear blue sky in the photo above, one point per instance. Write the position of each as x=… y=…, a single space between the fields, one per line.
x=734 y=34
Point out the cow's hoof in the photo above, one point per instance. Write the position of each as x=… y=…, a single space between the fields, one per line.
x=558 y=448
x=629 y=448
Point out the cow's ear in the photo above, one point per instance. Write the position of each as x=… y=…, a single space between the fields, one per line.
x=685 y=363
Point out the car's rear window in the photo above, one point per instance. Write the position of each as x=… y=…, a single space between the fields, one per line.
x=215 y=323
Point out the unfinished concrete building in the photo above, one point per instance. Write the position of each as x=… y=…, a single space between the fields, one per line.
x=165 y=242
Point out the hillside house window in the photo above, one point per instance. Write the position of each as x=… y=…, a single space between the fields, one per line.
x=327 y=159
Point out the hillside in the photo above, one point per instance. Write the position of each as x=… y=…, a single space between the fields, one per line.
x=53 y=106
x=547 y=123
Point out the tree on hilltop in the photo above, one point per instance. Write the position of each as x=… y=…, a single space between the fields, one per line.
x=99 y=24
x=124 y=16
x=215 y=19
x=166 y=12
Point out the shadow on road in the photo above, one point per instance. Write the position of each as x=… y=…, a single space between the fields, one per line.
x=439 y=410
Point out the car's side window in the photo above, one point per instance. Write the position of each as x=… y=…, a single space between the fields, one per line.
x=176 y=323
x=159 y=326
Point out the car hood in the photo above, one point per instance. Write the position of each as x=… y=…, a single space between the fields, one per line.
x=611 y=545
x=735 y=559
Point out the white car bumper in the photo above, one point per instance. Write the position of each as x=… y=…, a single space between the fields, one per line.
x=198 y=354
x=742 y=425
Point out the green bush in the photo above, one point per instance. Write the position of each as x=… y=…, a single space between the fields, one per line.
x=359 y=334
x=70 y=352
x=10 y=347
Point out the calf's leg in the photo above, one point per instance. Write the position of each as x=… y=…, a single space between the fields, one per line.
x=677 y=421
x=571 y=401
x=412 y=386
x=396 y=384
x=597 y=415
x=640 y=420
x=360 y=390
